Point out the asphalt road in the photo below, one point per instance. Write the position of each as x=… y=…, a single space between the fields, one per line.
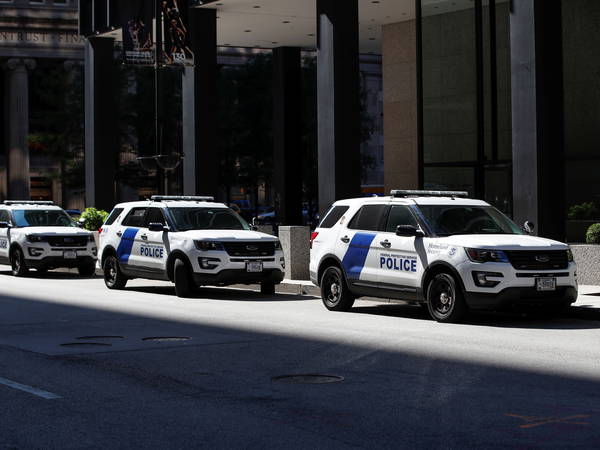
x=496 y=381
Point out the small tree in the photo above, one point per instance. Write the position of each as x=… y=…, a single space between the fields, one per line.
x=93 y=218
x=593 y=234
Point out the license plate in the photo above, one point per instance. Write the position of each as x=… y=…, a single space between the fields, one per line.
x=70 y=254
x=254 y=266
x=545 y=284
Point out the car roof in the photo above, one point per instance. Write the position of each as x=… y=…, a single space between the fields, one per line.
x=429 y=200
x=171 y=204
x=30 y=206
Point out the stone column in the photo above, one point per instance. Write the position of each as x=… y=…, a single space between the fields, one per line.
x=17 y=99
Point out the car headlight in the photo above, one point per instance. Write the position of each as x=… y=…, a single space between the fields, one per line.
x=277 y=245
x=570 y=255
x=91 y=238
x=208 y=245
x=483 y=255
x=35 y=238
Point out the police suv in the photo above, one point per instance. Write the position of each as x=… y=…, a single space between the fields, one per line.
x=40 y=235
x=191 y=241
x=440 y=249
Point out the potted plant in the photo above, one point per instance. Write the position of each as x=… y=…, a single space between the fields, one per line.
x=91 y=219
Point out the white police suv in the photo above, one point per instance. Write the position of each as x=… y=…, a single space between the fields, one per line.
x=438 y=249
x=191 y=241
x=40 y=235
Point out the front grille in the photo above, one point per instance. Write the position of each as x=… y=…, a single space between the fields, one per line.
x=538 y=260
x=67 y=241
x=250 y=248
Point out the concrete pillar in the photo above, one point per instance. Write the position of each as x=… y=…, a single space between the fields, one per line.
x=17 y=98
x=338 y=91
x=295 y=242
x=287 y=135
x=537 y=115
x=400 y=106
x=201 y=161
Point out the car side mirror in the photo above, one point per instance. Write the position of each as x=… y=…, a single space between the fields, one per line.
x=408 y=230
x=4 y=225
x=528 y=226
x=157 y=227
x=254 y=224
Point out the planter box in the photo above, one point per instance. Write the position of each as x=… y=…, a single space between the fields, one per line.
x=587 y=258
x=576 y=229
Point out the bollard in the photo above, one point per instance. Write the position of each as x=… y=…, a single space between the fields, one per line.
x=295 y=241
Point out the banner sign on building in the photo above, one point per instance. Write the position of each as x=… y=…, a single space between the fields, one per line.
x=136 y=18
x=176 y=39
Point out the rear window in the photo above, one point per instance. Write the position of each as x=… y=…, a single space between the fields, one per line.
x=334 y=214
x=135 y=218
x=368 y=218
x=113 y=216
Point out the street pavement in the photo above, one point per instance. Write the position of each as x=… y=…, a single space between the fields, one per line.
x=85 y=367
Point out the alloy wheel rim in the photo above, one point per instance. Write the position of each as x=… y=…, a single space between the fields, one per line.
x=444 y=297
x=334 y=289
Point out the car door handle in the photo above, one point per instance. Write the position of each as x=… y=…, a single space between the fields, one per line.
x=144 y=237
x=345 y=239
x=119 y=233
x=386 y=244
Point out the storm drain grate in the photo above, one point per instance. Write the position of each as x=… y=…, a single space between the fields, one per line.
x=166 y=338
x=85 y=344
x=85 y=338
x=308 y=379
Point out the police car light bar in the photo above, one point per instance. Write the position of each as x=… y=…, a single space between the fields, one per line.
x=416 y=193
x=28 y=202
x=191 y=198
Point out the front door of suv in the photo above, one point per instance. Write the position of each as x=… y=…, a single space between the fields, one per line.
x=399 y=266
x=153 y=244
x=355 y=245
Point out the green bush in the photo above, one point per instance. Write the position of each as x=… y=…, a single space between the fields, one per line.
x=593 y=234
x=587 y=210
x=93 y=218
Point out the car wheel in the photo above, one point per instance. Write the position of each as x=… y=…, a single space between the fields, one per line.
x=445 y=300
x=87 y=269
x=17 y=262
x=334 y=291
x=42 y=270
x=183 y=279
x=267 y=288
x=113 y=277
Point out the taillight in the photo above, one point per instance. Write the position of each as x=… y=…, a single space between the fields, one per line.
x=100 y=230
x=313 y=235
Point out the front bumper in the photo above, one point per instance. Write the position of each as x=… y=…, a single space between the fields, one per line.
x=521 y=296
x=51 y=262
x=237 y=276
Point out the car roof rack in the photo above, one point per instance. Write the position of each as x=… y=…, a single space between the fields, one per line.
x=29 y=202
x=416 y=193
x=190 y=198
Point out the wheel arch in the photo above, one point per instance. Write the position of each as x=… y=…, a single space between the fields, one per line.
x=13 y=247
x=176 y=254
x=327 y=261
x=109 y=250
x=437 y=268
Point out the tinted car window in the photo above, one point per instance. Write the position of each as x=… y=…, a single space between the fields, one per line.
x=113 y=216
x=368 y=218
x=186 y=219
x=332 y=217
x=4 y=216
x=42 y=218
x=154 y=215
x=135 y=218
x=399 y=215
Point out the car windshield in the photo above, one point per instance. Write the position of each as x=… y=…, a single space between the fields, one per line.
x=448 y=220
x=186 y=219
x=41 y=218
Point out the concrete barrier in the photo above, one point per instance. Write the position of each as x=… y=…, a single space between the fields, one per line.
x=587 y=258
x=295 y=242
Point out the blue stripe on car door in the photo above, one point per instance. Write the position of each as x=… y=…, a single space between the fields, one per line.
x=356 y=255
x=126 y=244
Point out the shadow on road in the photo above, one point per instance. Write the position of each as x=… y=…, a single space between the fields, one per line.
x=216 y=293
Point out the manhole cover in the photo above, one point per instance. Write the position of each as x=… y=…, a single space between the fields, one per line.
x=166 y=338
x=85 y=338
x=85 y=344
x=308 y=379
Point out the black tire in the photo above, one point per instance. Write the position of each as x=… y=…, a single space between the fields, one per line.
x=334 y=291
x=113 y=277
x=182 y=277
x=445 y=300
x=267 y=288
x=17 y=263
x=42 y=270
x=87 y=270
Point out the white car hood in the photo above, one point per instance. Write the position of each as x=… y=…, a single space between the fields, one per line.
x=55 y=230
x=504 y=242
x=226 y=235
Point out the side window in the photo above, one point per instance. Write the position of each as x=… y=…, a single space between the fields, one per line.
x=332 y=217
x=368 y=218
x=4 y=216
x=113 y=216
x=154 y=215
x=399 y=215
x=135 y=218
